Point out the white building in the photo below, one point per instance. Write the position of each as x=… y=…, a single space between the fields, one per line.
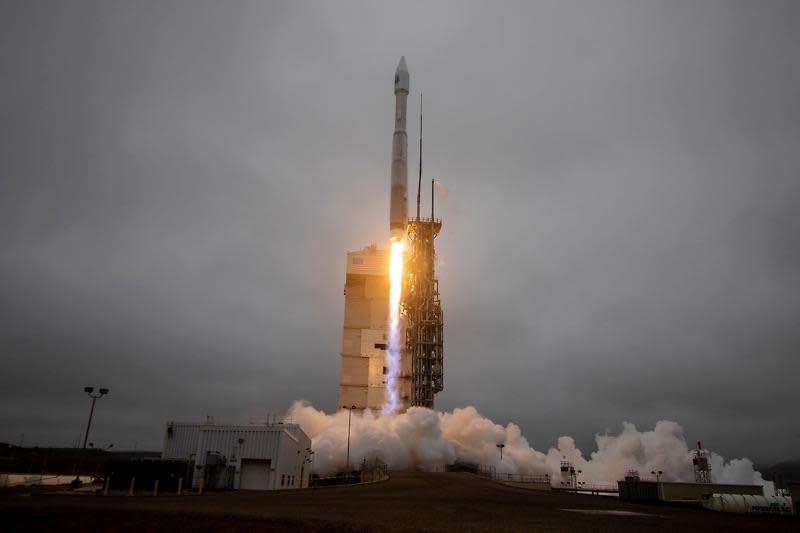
x=272 y=456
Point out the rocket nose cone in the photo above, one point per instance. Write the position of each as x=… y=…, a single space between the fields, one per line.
x=401 y=67
x=401 y=77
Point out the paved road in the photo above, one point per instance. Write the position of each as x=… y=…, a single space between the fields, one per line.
x=406 y=502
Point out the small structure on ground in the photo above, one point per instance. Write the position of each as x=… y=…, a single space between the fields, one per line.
x=274 y=456
x=636 y=489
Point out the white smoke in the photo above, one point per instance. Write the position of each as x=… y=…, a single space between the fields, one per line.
x=428 y=440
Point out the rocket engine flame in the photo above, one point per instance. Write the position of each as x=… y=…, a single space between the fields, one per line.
x=393 y=403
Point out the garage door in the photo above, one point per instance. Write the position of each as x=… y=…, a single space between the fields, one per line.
x=254 y=474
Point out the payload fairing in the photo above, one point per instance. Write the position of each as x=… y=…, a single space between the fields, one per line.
x=398 y=207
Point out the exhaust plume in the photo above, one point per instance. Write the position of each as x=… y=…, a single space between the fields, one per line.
x=428 y=440
x=393 y=403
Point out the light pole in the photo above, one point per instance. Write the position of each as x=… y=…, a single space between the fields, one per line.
x=349 y=417
x=500 y=447
x=657 y=474
x=94 y=396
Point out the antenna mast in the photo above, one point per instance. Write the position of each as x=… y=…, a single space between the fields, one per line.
x=419 y=182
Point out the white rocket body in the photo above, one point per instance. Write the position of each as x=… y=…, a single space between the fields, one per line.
x=398 y=206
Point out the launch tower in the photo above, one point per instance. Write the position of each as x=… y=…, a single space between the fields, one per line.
x=423 y=312
x=363 y=376
x=421 y=305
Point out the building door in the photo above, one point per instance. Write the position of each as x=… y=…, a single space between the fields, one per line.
x=254 y=474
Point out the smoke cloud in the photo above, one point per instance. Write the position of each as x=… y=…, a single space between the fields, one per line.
x=427 y=440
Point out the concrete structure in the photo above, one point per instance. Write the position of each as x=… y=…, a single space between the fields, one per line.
x=633 y=489
x=254 y=457
x=671 y=491
x=364 y=335
x=398 y=205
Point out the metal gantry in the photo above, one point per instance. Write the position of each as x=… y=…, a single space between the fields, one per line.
x=701 y=463
x=420 y=302
x=423 y=312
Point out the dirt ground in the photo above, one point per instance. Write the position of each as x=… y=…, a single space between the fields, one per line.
x=406 y=502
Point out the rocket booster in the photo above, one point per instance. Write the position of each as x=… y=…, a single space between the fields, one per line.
x=398 y=206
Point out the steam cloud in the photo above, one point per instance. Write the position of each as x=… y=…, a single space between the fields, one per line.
x=428 y=440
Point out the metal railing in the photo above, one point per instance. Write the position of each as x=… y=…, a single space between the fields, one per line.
x=592 y=488
x=522 y=478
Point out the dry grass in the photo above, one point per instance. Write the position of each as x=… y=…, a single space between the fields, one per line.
x=406 y=502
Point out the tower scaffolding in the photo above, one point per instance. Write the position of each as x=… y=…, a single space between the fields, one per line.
x=423 y=310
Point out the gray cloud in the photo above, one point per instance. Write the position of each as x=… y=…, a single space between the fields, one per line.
x=179 y=183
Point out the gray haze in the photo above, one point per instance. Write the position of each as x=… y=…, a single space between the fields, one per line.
x=179 y=182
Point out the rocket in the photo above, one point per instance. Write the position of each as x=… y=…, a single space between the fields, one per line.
x=398 y=205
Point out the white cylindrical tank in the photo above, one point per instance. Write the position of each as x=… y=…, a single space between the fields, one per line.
x=749 y=503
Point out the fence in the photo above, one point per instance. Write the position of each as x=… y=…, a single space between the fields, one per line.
x=540 y=482
x=370 y=472
x=521 y=478
x=375 y=470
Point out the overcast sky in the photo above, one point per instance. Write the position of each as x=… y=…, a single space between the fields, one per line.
x=180 y=181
